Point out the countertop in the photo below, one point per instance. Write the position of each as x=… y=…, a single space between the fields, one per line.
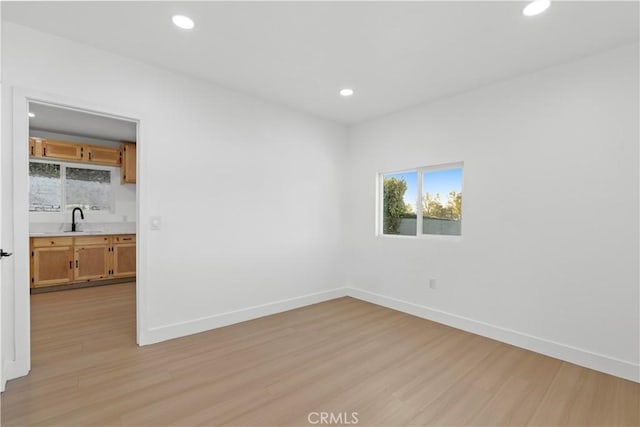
x=75 y=233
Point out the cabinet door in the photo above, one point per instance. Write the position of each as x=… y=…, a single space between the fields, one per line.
x=91 y=262
x=35 y=147
x=128 y=167
x=52 y=266
x=103 y=155
x=124 y=260
x=62 y=150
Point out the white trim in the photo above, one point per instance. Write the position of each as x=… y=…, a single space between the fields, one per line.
x=142 y=201
x=21 y=363
x=180 y=329
x=599 y=362
x=419 y=213
x=3 y=382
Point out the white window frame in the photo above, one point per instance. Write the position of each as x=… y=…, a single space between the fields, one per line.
x=419 y=219
x=63 y=194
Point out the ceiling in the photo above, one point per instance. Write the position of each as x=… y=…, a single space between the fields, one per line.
x=73 y=122
x=394 y=54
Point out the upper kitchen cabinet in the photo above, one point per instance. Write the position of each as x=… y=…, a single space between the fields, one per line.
x=103 y=155
x=128 y=166
x=75 y=151
x=35 y=147
x=123 y=157
x=62 y=150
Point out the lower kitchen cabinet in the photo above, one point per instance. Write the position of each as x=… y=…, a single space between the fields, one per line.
x=51 y=266
x=124 y=260
x=91 y=262
x=64 y=260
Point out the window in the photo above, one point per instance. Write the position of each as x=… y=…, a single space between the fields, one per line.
x=87 y=189
x=45 y=187
x=424 y=201
x=54 y=185
x=399 y=207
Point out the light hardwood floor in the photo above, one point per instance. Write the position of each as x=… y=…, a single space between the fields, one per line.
x=341 y=356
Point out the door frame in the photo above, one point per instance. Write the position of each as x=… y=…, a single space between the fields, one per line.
x=21 y=363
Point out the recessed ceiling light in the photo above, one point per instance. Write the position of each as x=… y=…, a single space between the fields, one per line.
x=183 y=22
x=346 y=92
x=536 y=7
x=31 y=114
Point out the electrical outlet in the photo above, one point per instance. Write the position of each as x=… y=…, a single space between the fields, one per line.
x=432 y=283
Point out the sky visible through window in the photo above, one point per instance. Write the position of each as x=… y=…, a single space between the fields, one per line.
x=439 y=181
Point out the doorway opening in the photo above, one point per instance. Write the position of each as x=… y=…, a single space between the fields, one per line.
x=75 y=227
x=82 y=230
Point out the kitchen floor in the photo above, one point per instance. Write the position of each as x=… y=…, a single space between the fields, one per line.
x=339 y=357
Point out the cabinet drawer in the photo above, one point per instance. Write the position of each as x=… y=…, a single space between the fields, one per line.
x=124 y=238
x=91 y=240
x=41 y=242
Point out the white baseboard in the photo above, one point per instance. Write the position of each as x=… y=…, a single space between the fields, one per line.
x=181 y=329
x=11 y=370
x=3 y=382
x=578 y=356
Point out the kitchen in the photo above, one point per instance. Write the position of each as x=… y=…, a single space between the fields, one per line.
x=82 y=199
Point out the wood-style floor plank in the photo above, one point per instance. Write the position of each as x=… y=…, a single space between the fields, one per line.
x=340 y=356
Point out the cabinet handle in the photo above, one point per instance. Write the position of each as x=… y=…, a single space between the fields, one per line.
x=90 y=155
x=127 y=238
x=44 y=151
x=70 y=264
x=32 y=151
x=76 y=263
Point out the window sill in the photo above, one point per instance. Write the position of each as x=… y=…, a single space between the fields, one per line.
x=422 y=237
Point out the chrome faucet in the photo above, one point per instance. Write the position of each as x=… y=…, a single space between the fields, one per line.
x=73 y=218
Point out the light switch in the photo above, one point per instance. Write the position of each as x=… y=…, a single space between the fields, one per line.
x=156 y=222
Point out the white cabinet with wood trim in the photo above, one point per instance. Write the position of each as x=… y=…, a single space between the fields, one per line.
x=62 y=260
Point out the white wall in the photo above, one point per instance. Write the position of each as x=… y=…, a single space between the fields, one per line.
x=250 y=193
x=124 y=196
x=549 y=253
